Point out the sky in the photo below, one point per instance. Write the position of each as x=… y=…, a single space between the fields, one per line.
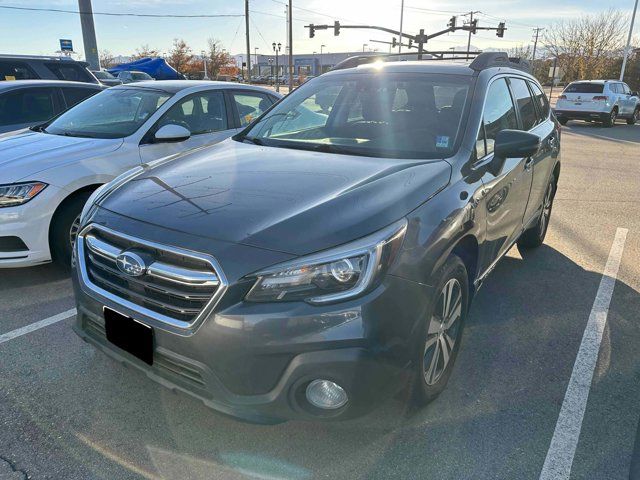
x=38 y=32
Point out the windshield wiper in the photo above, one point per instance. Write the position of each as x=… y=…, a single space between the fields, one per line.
x=254 y=140
x=37 y=128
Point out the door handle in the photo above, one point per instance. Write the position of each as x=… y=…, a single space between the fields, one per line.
x=528 y=163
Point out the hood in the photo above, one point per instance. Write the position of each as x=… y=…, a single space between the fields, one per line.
x=24 y=156
x=292 y=201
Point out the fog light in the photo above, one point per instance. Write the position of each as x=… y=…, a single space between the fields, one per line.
x=326 y=394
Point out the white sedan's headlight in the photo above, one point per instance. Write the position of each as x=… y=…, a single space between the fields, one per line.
x=18 y=193
x=337 y=274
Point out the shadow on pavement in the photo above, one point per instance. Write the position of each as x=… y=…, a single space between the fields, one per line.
x=23 y=277
x=620 y=132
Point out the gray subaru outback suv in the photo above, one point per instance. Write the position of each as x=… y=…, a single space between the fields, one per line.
x=326 y=255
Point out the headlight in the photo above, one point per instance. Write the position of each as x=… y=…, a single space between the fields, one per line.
x=337 y=274
x=19 y=193
x=105 y=189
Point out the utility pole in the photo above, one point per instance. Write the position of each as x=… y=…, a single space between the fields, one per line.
x=89 y=34
x=246 y=26
x=401 y=18
x=536 y=32
x=626 y=50
x=290 y=17
x=255 y=56
x=470 y=30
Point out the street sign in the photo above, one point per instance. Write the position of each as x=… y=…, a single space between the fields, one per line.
x=66 y=45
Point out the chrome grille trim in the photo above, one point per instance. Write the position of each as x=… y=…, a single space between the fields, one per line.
x=189 y=287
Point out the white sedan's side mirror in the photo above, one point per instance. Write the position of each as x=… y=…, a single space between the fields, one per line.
x=171 y=133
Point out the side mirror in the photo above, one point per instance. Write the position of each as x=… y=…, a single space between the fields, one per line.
x=512 y=144
x=171 y=133
x=634 y=94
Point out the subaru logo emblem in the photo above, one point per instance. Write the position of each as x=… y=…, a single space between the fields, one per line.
x=131 y=264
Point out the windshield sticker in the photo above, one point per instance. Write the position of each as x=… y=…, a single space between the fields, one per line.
x=442 y=141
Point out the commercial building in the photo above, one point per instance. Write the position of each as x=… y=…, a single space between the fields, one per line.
x=303 y=64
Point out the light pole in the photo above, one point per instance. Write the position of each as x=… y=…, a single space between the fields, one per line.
x=364 y=45
x=321 y=62
x=242 y=67
x=255 y=55
x=277 y=48
x=628 y=47
x=204 y=60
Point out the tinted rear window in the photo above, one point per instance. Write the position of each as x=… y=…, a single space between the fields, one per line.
x=27 y=106
x=10 y=70
x=584 y=88
x=71 y=71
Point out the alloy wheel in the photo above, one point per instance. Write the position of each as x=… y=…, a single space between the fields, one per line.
x=546 y=210
x=614 y=115
x=73 y=232
x=442 y=332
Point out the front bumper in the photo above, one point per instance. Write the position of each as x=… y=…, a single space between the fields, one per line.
x=254 y=360
x=30 y=223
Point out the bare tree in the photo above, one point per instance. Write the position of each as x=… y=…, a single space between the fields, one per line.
x=586 y=46
x=180 y=56
x=145 y=51
x=217 y=57
x=107 y=60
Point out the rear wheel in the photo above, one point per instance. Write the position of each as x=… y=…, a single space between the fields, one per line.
x=534 y=237
x=64 y=229
x=440 y=332
x=611 y=120
x=634 y=118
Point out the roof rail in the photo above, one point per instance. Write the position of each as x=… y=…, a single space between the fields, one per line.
x=352 y=62
x=499 y=59
x=481 y=61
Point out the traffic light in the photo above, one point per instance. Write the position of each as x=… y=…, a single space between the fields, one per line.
x=452 y=22
x=312 y=31
x=394 y=43
x=473 y=26
x=500 y=30
x=336 y=28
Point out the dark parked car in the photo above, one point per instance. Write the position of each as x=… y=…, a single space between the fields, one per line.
x=33 y=67
x=326 y=255
x=24 y=103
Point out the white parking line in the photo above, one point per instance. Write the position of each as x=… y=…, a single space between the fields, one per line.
x=557 y=464
x=5 y=337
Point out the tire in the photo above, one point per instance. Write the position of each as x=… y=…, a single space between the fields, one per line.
x=64 y=229
x=429 y=378
x=563 y=121
x=534 y=237
x=634 y=118
x=611 y=119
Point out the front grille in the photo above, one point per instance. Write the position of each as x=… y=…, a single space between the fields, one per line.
x=176 y=284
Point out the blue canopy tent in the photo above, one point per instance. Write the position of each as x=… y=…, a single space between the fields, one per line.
x=158 y=68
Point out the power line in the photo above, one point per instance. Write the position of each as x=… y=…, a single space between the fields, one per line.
x=113 y=14
x=259 y=33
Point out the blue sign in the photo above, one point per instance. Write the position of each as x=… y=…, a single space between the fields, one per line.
x=66 y=45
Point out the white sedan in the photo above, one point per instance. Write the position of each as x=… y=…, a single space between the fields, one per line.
x=47 y=174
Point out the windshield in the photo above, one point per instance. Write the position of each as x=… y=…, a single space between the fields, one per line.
x=112 y=113
x=584 y=88
x=385 y=115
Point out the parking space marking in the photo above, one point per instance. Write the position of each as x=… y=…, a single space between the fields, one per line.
x=5 y=337
x=557 y=464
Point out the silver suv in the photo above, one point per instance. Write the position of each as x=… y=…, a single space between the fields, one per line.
x=598 y=100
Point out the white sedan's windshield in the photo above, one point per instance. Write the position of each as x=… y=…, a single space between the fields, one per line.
x=113 y=113
x=410 y=116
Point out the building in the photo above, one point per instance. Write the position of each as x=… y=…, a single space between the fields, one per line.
x=303 y=64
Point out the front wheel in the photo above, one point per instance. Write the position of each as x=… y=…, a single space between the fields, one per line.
x=440 y=332
x=64 y=229
x=534 y=237
x=634 y=118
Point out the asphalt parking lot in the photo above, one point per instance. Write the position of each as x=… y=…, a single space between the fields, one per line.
x=69 y=412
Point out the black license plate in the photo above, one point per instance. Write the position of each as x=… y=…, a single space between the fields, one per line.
x=129 y=335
